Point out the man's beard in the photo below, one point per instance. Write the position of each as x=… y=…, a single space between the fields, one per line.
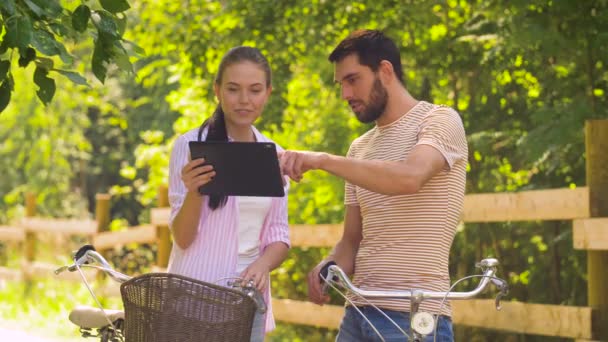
x=378 y=99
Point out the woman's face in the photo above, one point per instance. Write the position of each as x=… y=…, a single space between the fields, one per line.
x=242 y=93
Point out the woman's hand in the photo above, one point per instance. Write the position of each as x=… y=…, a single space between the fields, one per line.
x=258 y=273
x=195 y=174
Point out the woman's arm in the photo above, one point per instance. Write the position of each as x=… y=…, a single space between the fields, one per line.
x=274 y=254
x=185 y=223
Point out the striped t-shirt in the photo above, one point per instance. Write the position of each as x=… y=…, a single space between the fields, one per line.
x=407 y=238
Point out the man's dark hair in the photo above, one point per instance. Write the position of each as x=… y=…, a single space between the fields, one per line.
x=372 y=47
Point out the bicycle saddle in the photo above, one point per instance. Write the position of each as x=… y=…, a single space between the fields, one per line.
x=91 y=318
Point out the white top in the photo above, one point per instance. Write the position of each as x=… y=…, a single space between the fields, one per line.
x=252 y=212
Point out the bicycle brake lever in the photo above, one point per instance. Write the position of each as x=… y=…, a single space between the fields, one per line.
x=503 y=287
x=61 y=270
x=249 y=289
x=497 y=301
x=259 y=300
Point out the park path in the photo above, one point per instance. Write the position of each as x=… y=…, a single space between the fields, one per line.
x=22 y=336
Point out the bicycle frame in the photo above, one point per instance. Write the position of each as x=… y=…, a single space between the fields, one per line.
x=419 y=321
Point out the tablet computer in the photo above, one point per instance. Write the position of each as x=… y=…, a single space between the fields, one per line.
x=241 y=168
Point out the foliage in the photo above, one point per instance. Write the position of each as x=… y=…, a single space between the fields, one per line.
x=36 y=32
x=525 y=75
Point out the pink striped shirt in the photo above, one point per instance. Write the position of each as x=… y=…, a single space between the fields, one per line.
x=214 y=253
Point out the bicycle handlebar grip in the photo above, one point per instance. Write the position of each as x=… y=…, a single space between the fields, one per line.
x=325 y=270
x=82 y=250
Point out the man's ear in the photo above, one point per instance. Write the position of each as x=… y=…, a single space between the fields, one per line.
x=387 y=73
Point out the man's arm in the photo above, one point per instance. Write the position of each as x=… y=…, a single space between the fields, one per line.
x=384 y=177
x=343 y=254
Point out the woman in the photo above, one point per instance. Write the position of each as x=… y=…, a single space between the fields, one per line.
x=221 y=237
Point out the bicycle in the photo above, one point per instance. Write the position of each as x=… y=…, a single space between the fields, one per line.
x=422 y=323
x=163 y=307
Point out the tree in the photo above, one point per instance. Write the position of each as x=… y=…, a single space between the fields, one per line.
x=38 y=31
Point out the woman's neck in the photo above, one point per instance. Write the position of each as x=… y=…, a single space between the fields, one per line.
x=241 y=133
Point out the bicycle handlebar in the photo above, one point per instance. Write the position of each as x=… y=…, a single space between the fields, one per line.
x=86 y=255
x=488 y=267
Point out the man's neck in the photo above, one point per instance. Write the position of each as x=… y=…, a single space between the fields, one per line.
x=399 y=104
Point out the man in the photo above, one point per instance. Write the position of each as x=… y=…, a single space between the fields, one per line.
x=405 y=181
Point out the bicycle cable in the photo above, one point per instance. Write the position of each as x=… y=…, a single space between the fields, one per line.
x=361 y=313
x=443 y=300
x=84 y=279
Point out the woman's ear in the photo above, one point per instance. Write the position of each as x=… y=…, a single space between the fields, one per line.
x=216 y=90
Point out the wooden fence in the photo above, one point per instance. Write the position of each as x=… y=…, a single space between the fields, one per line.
x=586 y=207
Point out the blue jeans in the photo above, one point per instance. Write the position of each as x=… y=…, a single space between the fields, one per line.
x=257 y=330
x=355 y=328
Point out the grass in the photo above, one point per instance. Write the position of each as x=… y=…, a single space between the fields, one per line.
x=42 y=308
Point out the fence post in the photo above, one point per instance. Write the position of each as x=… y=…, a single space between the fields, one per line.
x=29 y=244
x=162 y=231
x=596 y=145
x=102 y=212
x=102 y=217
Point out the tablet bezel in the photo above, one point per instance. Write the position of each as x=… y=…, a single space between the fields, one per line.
x=242 y=168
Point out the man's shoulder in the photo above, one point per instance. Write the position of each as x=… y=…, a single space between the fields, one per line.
x=444 y=110
x=363 y=138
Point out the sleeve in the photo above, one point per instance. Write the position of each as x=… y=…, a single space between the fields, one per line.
x=350 y=196
x=277 y=227
x=177 y=189
x=443 y=130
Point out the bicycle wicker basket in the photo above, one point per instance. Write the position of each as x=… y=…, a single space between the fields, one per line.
x=165 y=307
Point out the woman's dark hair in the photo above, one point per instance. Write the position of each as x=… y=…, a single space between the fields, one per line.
x=216 y=124
x=372 y=47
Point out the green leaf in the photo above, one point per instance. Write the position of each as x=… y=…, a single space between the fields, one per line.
x=35 y=8
x=135 y=48
x=26 y=57
x=18 y=32
x=121 y=22
x=100 y=57
x=105 y=23
x=73 y=76
x=64 y=54
x=45 y=63
x=59 y=28
x=80 y=18
x=46 y=85
x=5 y=94
x=8 y=6
x=122 y=60
x=45 y=42
x=4 y=68
x=115 y=6
x=51 y=8
x=3 y=47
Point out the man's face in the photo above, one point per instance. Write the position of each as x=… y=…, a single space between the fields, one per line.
x=361 y=88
